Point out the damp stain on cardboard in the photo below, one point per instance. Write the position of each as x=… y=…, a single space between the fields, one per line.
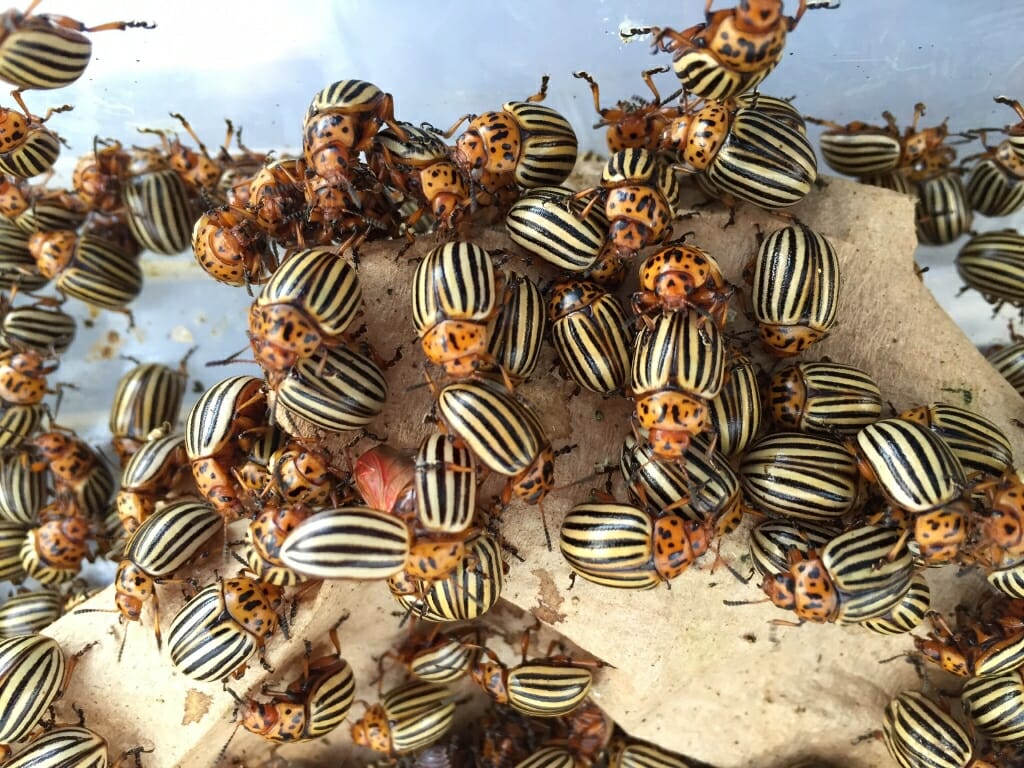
x=549 y=599
x=197 y=704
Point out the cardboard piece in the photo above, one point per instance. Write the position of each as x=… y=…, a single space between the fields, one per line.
x=722 y=684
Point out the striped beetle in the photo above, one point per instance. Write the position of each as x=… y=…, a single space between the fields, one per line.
x=147 y=397
x=33 y=674
x=619 y=545
x=800 y=476
x=94 y=271
x=341 y=122
x=264 y=538
x=859 y=149
x=456 y=291
x=992 y=263
x=917 y=733
x=630 y=753
x=860 y=574
x=995 y=705
x=407 y=718
x=908 y=613
x=917 y=473
x=772 y=540
x=40 y=327
x=732 y=51
x=978 y=444
x=337 y=389
x=158 y=210
x=434 y=656
x=51 y=210
x=46 y=51
x=1009 y=361
x=943 y=212
x=795 y=289
x=548 y=757
x=18 y=423
x=27 y=612
x=467 y=593
x=527 y=141
x=27 y=147
x=996 y=184
x=744 y=153
x=253 y=470
x=678 y=365
x=161 y=545
x=215 y=633
x=12 y=536
x=680 y=277
x=17 y=267
x=633 y=124
x=301 y=472
x=444 y=484
x=311 y=706
x=214 y=436
x=707 y=489
x=154 y=472
x=306 y=306
x=515 y=335
x=989 y=643
x=504 y=434
x=823 y=398
x=592 y=335
x=23 y=490
x=231 y=248
x=63 y=747
x=736 y=411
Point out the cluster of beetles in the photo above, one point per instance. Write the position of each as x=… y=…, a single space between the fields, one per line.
x=850 y=505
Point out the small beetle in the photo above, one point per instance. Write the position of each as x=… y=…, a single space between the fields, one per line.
x=515 y=335
x=633 y=124
x=435 y=657
x=160 y=215
x=18 y=422
x=156 y=471
x=301 y=472
x=908 y=613
x=46 y=51
x=736 y=411
x=54 y=551
x=978 y=444
x=682 y=277
x=17 y=267
x=277 y=199
x=311 y=706
x=917 y=733
x=215 y=633
x=772 y=540
x=991 y=644
x=823 y=398
x=27 y=147
x=28 y=612
x=444 y=484
x=996 y=184
x=859 y=149
x=732 y=51
x=99 y=175
x=33 y=673
x=678 y=365
x=407 y=718
x=23 y=376
x=231 y=248
x=147 y=397
x=264 y=538
x=795 y=289
x=307 y=305
x=39 y=327
x=592 y=335
x=532 y=143
x=64 y=747
x=943 y=212
x=995 y=705
x=992 y=263
x=23 y=489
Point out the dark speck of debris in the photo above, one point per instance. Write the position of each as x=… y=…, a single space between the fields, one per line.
x=750 y=637
x=598 y=416
x=198 y=388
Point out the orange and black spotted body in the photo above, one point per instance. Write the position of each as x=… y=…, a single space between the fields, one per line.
x=633 y=123
x=732 y=51
x=252 y=605
x=456 y=292
x=547 y=687
x=680 y=277
x=98 y=177
x=277 y=200
x=1001 y=541
x=231 y=248
x=992 y=643
x=307 y=305
x=27 y=147
x=635 y=203
x=15 y=197
x=696 y=138
x=68 y=457
x=407 y=718
x=23 y=377
x=265 y=536
x=53 y=552
x=301 y=473
x=677 y=543
x=806 y=589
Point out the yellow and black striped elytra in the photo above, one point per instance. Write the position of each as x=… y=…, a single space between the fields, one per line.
x=42 y=52
x=445 y=483
x=18 y=422
x=764 y=162
x=638 y=754
x=736 y=411
x=170 y=537
x=943 y=212
x=912 y=467
x=823 y=398
x=337 y=389
x=549 y=144
x=27 y=612
x=548 y=757
x=101 y=274
x=996 y=705
x=146 y=475
x=798 y=476
x=159 y=213
x=772 y=540
x=867 y=558
x=52 y=212
x=592 y=335
x=1009 y=361
x=310 y=300
x=859 y=149
x=29 y=148
x=977 y=443
x=17 y=267
x=795 y=289
x=348 y=543
x=992 y=263
x=22 y=489
x=407 y=718
x=504 y=434
x=605 y=538
x=147 y=397
x=515 y=335
x=12 y=537
x=64 y=747
x=707 y=489
x=442 y=661
x=908 y=613
x=38 y=327
x=638 y=211
x=32 y=676
x=993 y=189
x=538 y=688
x=551 y=223
x=1008 y=580
x=918 y=732
x=211 y=422
x=470 y=591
